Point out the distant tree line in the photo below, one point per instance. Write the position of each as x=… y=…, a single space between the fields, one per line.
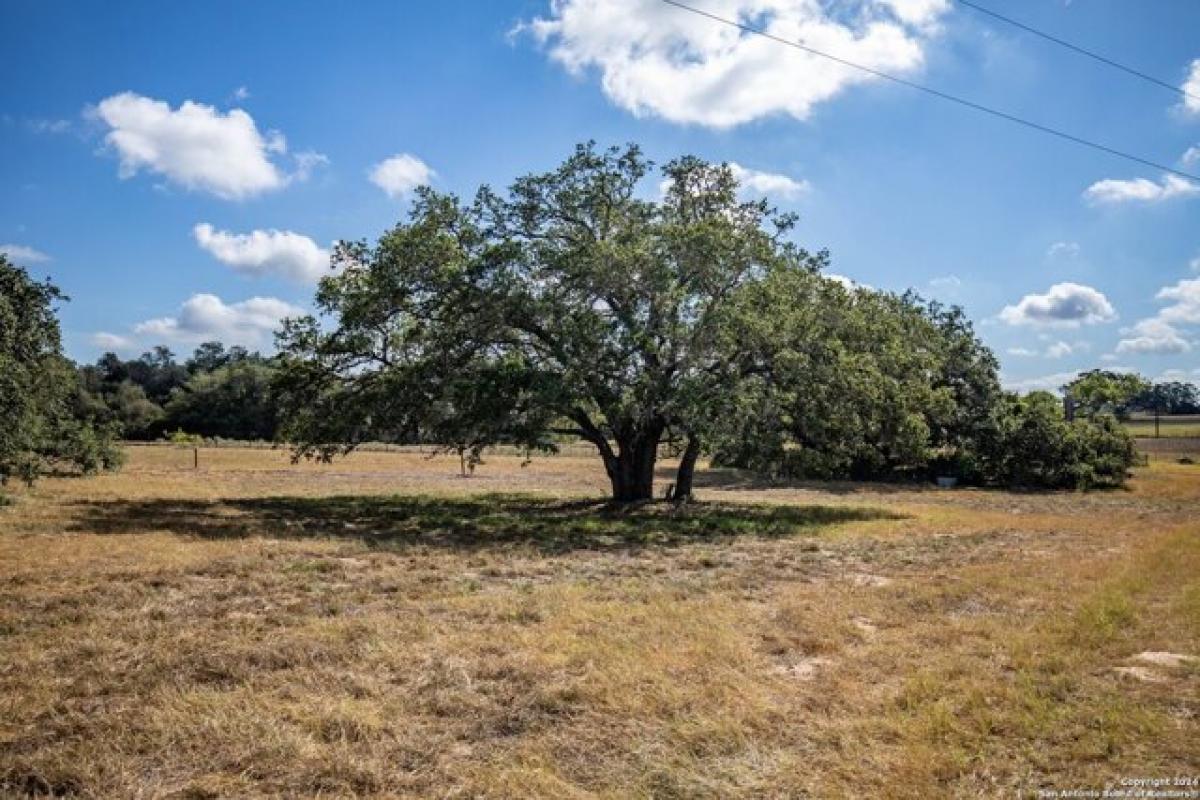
x=217 y=392
x=1101 y=391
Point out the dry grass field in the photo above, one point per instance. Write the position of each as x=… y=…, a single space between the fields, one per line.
x=1170 y=448
x=383 y=628
x=1185 y=426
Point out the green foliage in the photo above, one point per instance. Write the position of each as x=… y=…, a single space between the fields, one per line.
x=211 y=356
x=38 y=387
x=858 y=384
x=218 y=392
x=412 y=357
x=1036 y=446
x=91 y=447
x=183 y=438
x=232 y=401
x=131 y=394
x=1100 y=391
x=601 y=311
x=569 y=305
x=1168 y=397
x=134 y=411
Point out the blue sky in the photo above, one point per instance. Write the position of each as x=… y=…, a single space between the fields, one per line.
x=180 y=173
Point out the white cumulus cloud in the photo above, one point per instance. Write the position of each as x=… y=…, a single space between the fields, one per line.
x=204 y=317
x=400 y=174
x=41 y=125
x=847 y=283
x=1112 y=191
x=1162 y=334
x=265 y=252
x=111 y=341
x=23 y=254
x=770 y=184
x=1064 y=250
x=1048 y=383
x=196 y=146
x=1182 y=375
x=753 y=183
x=306 y=162
x=1153 y=336
x=1184 y=299
x=1059 y=349
x=1063 y=305
x=656 y=59
x=1191 y=102
x=1191 y=156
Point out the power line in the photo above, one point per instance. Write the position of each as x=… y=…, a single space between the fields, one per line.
x=1081 y=50
x=937 y=93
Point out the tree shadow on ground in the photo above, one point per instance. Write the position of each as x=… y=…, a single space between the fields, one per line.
x=742 y=480
x=734 y=479
x=480 y=522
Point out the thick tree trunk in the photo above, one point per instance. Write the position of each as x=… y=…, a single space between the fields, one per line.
x=631 y=469
x=687 y=469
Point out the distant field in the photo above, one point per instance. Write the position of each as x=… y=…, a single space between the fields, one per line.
x=1169 y=447
x=1188 y=426
x=381 y=628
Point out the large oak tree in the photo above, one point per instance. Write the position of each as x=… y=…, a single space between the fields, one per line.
x=573 y=303
x=583 y=302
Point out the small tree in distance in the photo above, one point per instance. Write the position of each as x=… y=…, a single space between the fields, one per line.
x=1098 y=391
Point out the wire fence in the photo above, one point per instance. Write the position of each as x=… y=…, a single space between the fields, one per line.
x=1150 y=448
x=1169 y=449
x=1164 y=427
x=568 y=450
